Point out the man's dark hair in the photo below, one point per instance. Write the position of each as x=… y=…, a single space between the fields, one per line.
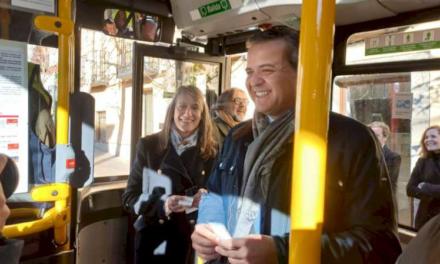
x=288 y=35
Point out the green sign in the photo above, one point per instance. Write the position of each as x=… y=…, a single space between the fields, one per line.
x=213 y=8
x=403 y=48
x=168 y=94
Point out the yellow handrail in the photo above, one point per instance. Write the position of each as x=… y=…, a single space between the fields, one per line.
x=64 y=27
x=57 y=217
x=311 y=126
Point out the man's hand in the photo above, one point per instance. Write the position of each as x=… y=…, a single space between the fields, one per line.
x=253 y=249
x=204 y=242
x=198 y=197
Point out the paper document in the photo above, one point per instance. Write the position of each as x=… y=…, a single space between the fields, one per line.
x=151 y=179
x=186 y=202
x=220 y=231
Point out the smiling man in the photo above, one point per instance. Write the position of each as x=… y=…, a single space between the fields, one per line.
x=249 y=188
x=229 y=110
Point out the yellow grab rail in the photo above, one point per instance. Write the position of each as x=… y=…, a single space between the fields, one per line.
x=311 y=126
x=57 y=217
x=63 y=26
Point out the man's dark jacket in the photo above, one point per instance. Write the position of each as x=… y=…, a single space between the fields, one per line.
x=393 y=160
x=360 y=220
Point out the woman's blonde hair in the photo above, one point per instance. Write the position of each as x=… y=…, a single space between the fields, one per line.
x=425 y=153
x=385 y=128
x=206 y=139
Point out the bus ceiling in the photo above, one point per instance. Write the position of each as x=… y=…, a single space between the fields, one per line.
x=216 y=18
x=224 y=25
x=226 y=22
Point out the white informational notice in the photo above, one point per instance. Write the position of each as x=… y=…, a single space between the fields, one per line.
x=38 y=5
x=14 y=106
x=402 y=106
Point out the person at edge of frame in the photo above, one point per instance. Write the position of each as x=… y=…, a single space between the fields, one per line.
x=10 y=249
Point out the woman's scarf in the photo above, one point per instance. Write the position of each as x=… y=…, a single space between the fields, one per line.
x=181 y=144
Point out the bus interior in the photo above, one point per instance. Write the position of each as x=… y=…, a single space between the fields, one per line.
x=123 y=61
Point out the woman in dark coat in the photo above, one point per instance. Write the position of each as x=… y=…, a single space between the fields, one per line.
x=182 y=154
x=424 y=183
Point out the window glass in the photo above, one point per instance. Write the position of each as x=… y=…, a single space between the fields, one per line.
x=161 y=79
x=413 y=42
x=106 y=73
x=238 y=79
x=408 y=102
x=28 y=84
x=47 y=58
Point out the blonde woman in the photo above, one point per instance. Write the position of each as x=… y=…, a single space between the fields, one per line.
x=184 y=152
x=424 y=183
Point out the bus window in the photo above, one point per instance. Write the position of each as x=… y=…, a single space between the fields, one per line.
x=238 y=79
x=26 y=131
x=134 y=25
x=412 y=42
x=106 y=73
x=408 y=102
x=161 y=79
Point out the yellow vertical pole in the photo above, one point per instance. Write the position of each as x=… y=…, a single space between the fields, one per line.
x=311 y=126
x=66 y=58
x=64 y=27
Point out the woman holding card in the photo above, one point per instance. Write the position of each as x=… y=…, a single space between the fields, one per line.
x=181 y=155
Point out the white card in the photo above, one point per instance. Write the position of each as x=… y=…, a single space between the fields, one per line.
x=220 y=231
x=186 y=202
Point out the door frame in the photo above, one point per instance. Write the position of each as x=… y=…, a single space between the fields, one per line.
x=173 y=53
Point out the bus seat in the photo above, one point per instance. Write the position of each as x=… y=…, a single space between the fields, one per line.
x=425 y=247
